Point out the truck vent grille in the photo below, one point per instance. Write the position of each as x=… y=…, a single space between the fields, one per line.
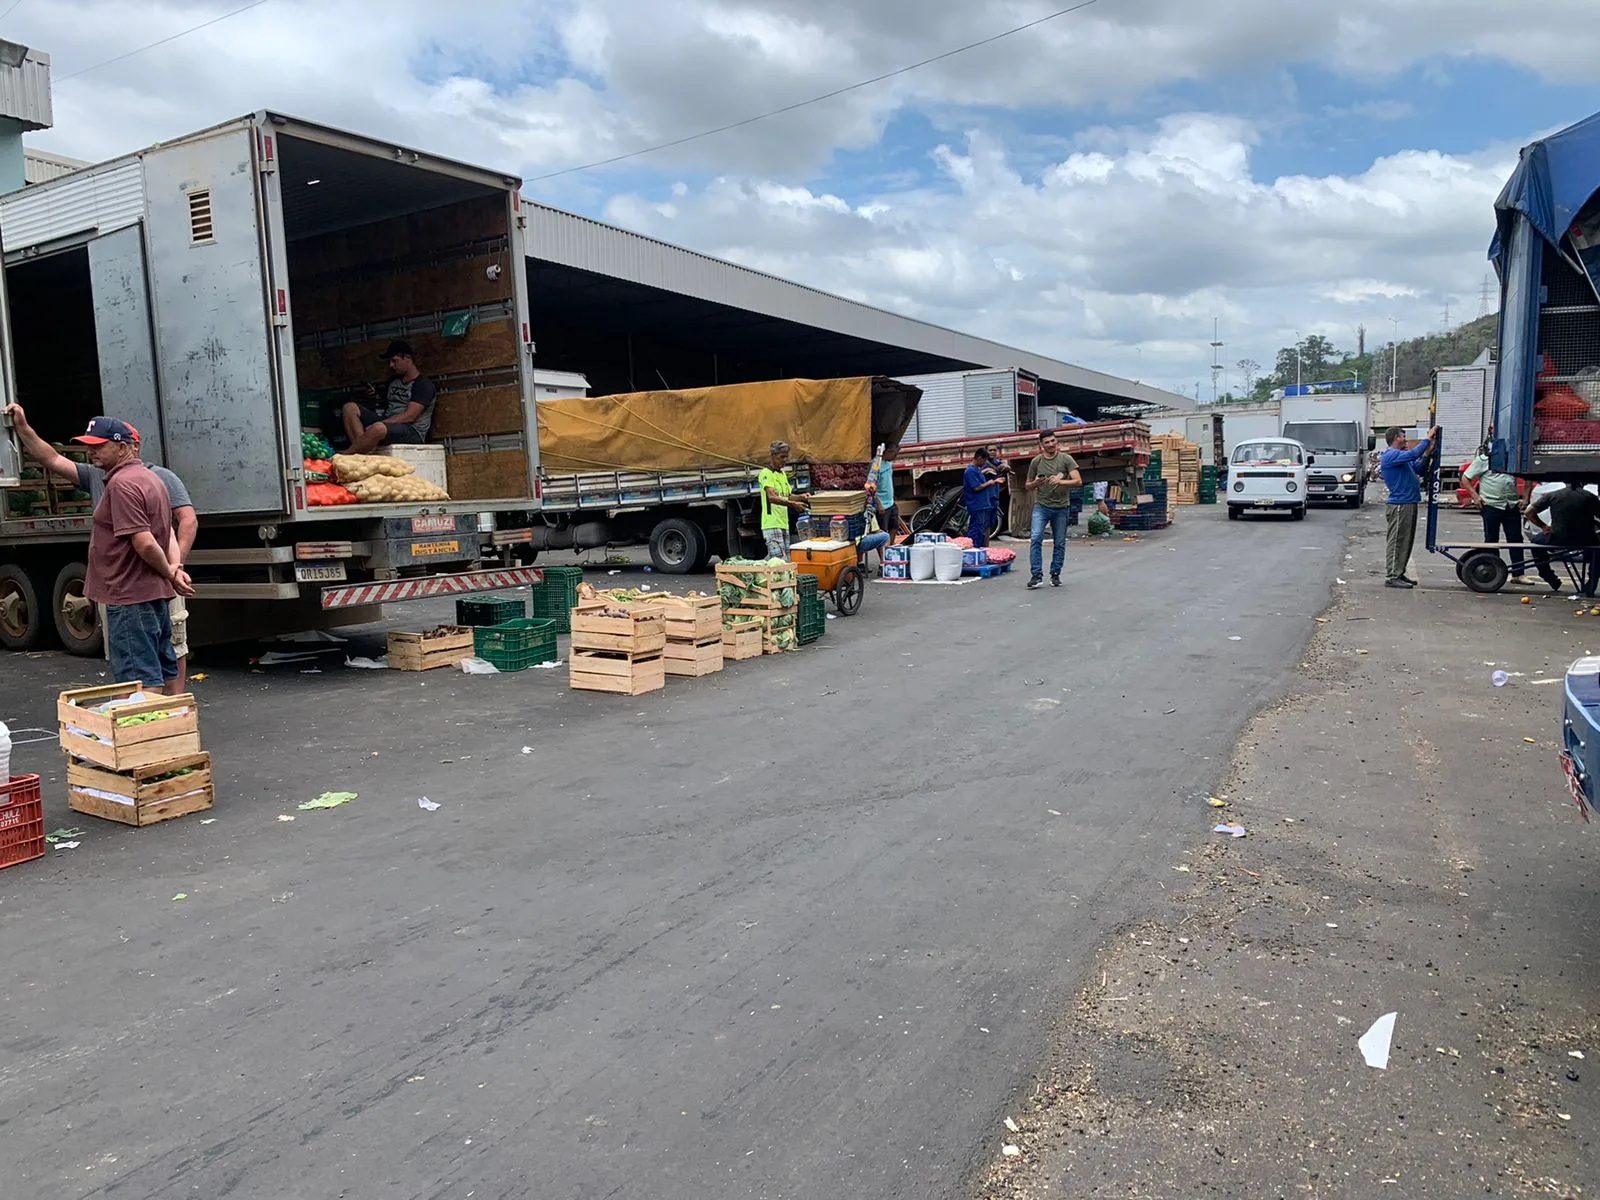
x=200 y=227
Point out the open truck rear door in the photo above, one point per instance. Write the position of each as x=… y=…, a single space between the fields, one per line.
x=10 y=453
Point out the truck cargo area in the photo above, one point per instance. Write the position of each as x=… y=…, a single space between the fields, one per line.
x=379 y=250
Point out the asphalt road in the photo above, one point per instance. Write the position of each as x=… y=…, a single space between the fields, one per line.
x=796 y=930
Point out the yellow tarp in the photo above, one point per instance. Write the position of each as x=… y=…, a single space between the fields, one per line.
x=824 y=420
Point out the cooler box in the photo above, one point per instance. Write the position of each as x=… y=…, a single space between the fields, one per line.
x=811 y=557
x=1580 y=731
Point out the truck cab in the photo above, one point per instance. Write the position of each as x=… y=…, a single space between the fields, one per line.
x=1340 y=447
x=1268 y=475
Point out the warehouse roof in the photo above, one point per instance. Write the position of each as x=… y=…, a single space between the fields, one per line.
x=584 y=271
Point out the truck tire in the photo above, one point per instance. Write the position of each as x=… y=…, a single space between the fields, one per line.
x=676 y=546
x=23 y=618
x=1355 y=501
x=77 y=620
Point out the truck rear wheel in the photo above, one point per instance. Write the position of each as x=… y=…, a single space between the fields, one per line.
x=677 y=546
x=77 y=619
x=23 y=619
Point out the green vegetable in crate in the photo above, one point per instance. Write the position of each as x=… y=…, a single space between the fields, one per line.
x=314 y=445
x=785 y=597
x=141 y=719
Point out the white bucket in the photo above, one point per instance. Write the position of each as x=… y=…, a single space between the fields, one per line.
x=946 y=561
x=922 y=561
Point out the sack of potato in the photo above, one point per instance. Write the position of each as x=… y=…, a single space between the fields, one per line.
x=404 y=489
x=352 y=468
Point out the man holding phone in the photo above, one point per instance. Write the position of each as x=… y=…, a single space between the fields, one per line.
x=1051 y=477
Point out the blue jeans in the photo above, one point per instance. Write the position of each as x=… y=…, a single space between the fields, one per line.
x=139 y=642
x=1057 y=518
x=870 y=542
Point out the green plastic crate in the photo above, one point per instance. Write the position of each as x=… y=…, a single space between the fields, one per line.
x=516 y=645
x=813 y=617
x=555 y=598
x=489 y=610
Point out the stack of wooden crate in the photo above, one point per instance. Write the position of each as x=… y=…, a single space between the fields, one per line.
x=1188 y=474
x=618 y=647
x=137 y=761
x=765 y=593
x=1172 y=447
x=694 y=634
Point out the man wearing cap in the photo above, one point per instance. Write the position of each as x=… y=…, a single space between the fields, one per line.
x=129 y=568
x=402 y=415
x=86 y=478
x=777 y=498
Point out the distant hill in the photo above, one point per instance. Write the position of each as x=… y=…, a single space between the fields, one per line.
x=1417 y=358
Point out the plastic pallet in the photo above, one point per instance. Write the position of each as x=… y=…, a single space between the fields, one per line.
x=989 y=571
x=516 y=645
x=489 y=610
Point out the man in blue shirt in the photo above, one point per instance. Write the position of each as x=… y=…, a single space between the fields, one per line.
x=980 y=492
x=1401 y=464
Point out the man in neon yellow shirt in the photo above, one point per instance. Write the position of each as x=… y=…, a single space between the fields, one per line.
x=777 y=498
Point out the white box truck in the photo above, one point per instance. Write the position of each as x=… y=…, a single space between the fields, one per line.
x=969 y=404
x=1336 y=431
x=227 y=290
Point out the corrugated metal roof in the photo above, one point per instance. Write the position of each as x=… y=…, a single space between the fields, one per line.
x=99 y=199
x=590 y=245
x=41 y=167
x=25 y=91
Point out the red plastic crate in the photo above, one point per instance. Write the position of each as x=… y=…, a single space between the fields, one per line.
x=21 y=821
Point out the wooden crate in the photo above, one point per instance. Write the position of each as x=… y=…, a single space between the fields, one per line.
x=443 y=647
x=692 y=618
x=742 y=641
x=605 y=626
x=693 y=659
x=97 y=738
x=149 y=799
x=620 y=674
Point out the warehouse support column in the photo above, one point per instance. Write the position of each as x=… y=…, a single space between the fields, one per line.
x=12 y=172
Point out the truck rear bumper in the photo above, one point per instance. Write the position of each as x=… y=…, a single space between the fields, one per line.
x=396 y=590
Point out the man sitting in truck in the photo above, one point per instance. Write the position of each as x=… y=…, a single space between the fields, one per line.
x=402 y=415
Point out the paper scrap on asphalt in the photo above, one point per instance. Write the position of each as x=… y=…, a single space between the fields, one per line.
x=527 y=749
x=65 y=845
x=367 y=664
x=478 y=666
x=309 y=636
x=1375 y=1041
x=429 y=805
x=181 y=896
x=1231 y=830
x=277 y=658
x=1215 y=802
x=328 y=800
x=1010 y=1151
x=1235 y=638
x=285 y=817
x=550 y=666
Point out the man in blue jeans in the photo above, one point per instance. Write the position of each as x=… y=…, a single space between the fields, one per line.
x=1051 y=477
x=980 y=492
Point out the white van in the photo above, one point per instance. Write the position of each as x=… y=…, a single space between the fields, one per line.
x=1268 y=474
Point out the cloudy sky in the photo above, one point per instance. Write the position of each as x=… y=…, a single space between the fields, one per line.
x=1098 y=188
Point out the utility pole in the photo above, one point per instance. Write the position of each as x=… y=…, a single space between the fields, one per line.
x=1216 y=359
x=1394 y=356
x=1299 y=358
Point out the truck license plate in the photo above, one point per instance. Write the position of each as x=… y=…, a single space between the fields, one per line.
x=1322 y=487
x=332 y=572
x=433 y=524
x=419 y=549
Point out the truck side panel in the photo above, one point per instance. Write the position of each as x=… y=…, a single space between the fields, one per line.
x=221 y=407
x=124 y=336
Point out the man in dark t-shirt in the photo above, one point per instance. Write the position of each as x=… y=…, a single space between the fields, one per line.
x=1574 y=514
x=401 y=415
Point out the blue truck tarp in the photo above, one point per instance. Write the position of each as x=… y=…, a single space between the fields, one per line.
x=1554 y=179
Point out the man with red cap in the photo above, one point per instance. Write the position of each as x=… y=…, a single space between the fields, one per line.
x=129 y=571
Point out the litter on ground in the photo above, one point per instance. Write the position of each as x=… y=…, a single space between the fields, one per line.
x=1375 y=1041
x=328 y=800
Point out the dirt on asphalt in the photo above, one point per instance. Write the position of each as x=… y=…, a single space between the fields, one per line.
x=1410 y=848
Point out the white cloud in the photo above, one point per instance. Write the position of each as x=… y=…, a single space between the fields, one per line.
x=1141 y=248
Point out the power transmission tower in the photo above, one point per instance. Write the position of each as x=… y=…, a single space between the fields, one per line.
x=1216 y=359
x=1483 y=297
x=1447 y=316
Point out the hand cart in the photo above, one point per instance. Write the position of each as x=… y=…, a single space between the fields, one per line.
x=838 y=571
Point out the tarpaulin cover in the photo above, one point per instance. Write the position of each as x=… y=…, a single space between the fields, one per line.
x=1553 y=181
x=823 y=420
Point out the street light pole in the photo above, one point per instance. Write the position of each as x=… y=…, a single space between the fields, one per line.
x=1394 y=355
